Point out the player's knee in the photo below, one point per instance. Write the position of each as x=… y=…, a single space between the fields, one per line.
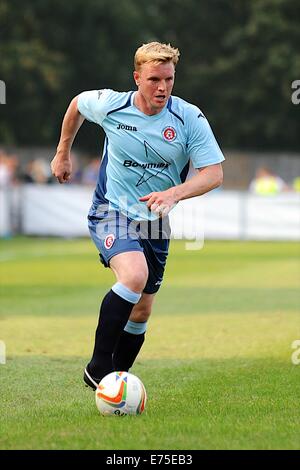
x=136 y=281
x=131 y=269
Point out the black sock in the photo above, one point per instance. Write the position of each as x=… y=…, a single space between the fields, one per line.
x=114 y=313
x=126 y=350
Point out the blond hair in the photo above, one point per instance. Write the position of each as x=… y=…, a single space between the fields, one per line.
x=156 y=52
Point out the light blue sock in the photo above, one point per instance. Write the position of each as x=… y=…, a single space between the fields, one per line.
x=135 y=328
x=126 y=293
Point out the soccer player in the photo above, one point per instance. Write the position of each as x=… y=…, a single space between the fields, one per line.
x=151 y=136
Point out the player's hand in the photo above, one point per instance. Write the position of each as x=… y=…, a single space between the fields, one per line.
x=160 y=203
x=61 y=167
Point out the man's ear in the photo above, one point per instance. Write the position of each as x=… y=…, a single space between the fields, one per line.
x=136 y=77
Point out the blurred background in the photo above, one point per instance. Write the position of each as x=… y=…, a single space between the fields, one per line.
x=239 y=61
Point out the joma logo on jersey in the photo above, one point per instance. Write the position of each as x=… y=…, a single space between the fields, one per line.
x=126 y=128
x=129 y=163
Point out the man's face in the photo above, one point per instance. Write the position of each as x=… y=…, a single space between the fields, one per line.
x=155 y=83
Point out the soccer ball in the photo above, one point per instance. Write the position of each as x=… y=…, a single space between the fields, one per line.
x=120 y=394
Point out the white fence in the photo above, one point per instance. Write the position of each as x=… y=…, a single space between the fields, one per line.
x=232 y=215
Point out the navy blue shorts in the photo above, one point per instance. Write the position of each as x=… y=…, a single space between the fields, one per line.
x=114 y=233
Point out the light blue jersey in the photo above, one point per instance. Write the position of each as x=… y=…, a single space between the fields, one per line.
x=142 y=153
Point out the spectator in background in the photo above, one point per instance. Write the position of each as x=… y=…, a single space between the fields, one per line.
x=90 y=172
x=76 y=177
x=37 y=171
x=4 y=170
x=27 y=175
x=296 y=184
x=8 y=169
x=266 y=183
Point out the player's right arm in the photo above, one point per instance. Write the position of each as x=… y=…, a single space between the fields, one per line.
x=61 y=165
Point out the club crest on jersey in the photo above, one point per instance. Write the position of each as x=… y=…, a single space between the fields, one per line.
x=109 y=241
x=169 y=133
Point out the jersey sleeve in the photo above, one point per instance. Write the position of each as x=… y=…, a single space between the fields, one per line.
x=94 y=104
x=202 y=146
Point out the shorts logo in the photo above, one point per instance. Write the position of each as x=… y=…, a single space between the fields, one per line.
x=109 y=241
x=169 y=134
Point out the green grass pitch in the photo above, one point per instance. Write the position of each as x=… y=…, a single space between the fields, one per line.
x=216 y=362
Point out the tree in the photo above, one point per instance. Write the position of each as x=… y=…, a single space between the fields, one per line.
x=238 y=60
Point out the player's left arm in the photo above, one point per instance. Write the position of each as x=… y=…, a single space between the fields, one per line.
x=206 y=156
x=205 y=180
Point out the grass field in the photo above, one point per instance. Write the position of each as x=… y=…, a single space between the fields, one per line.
x=216 y=363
